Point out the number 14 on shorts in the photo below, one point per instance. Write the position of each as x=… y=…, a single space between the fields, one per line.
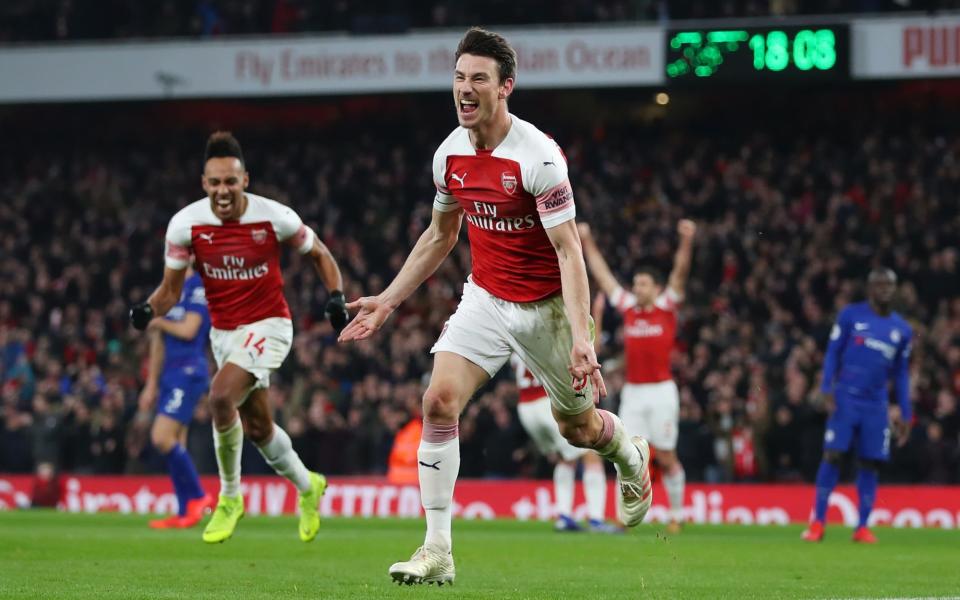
x=257 y=345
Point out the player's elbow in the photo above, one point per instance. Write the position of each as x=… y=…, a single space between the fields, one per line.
x=321 y=254
x=166 y=298
x=444 y=240
x=563 y=252
x=452 y=239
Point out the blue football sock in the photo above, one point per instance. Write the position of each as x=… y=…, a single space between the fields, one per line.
x=827 y=476
x=867 y=490
x=186 y=483
x=177 y=483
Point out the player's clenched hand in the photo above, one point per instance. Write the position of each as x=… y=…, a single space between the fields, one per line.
x=140 y=315
x=901 y=428
x=583 y=364
x=336 y=311
x=686 y=228
x=371 y=314
x=828 y=403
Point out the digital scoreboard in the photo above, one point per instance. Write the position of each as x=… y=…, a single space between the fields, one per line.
x=798 y=53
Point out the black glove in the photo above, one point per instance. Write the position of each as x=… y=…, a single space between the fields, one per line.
x=140 y=315
x=336 y=310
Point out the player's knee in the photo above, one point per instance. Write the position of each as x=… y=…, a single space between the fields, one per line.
x=162 y=440
x=258 y=431
x=441 y=404
x=220 y=401
x=577 y=434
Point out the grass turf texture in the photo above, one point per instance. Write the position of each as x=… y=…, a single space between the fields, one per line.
x=56 y=555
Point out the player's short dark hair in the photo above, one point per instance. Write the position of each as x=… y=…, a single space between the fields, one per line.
x=480 y=42
x=653 y=272
x=222 y=144
x=881 y=274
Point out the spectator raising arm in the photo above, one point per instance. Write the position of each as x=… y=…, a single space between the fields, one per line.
x=598 y=266
x=681 y=260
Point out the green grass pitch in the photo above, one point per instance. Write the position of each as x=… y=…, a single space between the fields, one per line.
x=57 y=555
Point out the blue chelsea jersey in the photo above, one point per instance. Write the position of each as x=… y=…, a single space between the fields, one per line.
x=865 y=353
x=188 y=356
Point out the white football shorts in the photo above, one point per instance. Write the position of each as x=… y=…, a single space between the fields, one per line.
x=258 y=348
x=537 y=420
x=653 y=411
x=486 y=330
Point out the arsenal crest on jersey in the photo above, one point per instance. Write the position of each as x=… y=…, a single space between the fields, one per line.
x=509 y=181
x=259 y=235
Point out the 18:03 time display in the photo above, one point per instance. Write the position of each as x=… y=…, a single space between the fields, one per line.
x=794 y=53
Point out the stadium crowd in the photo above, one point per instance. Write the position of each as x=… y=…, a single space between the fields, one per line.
x=790 y=222
x=51 y=20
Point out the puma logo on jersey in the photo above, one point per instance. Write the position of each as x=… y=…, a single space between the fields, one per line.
x=207 y=236
x=548 y=163
x=459 y=178
x=433 y=466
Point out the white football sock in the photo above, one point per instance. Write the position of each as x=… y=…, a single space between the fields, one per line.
x=595 y=490
x=228 y=446
x=564 y=478
x=439 y=465
x=619 y=450
x=280 y=455
x=674 y=484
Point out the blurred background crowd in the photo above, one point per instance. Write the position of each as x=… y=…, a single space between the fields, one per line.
x=791 y=212
x=65 y=20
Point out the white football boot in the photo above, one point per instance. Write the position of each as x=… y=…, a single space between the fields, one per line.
x=636 y=493
x=427 y=565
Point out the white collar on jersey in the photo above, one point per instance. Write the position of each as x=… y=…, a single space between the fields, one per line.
x=508 y=141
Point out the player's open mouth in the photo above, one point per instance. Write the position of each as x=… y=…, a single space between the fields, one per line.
x=224 y=203
x=468 y=106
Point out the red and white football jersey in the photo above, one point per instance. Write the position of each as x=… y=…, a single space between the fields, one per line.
x=509 y=195
x=648 y=334
x=239 y=261
x=528 y=385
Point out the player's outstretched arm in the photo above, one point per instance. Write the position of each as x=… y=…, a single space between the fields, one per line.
x=681 y=260
x=433 y=246
x=148 y=395
x=598 y=266
x=161 y=300
x=831 y=360
x=185 y=329
x=576 y=299
x=326 y=266
x=329 y=271
x=901 y=422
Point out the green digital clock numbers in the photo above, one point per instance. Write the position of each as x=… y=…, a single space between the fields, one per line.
x=767 y=53
x=811 y=50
